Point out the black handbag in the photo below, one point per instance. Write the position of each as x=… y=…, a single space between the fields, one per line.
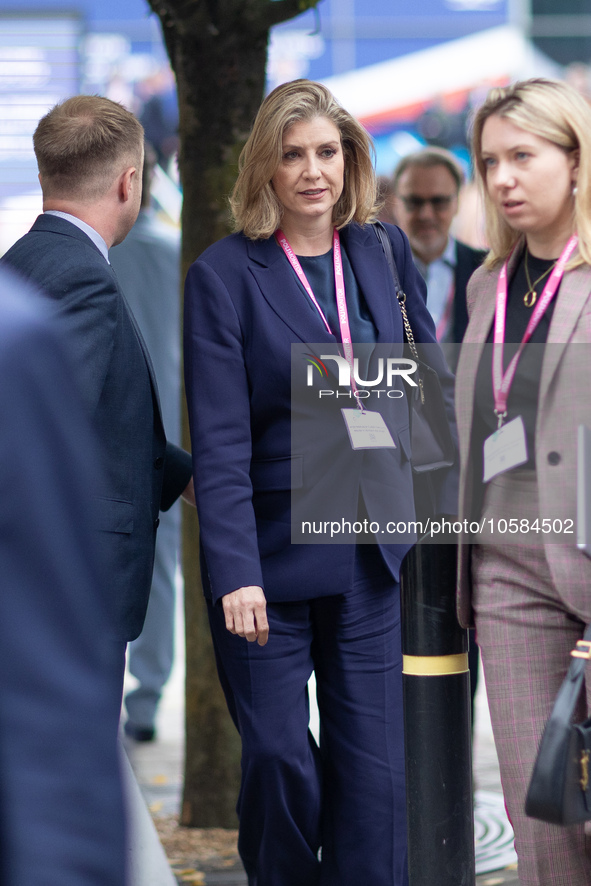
x=560 y=789
x=432 y=444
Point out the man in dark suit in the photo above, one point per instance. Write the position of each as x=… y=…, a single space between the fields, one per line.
x=90 y=156
x=426 y=185
x=61 y=808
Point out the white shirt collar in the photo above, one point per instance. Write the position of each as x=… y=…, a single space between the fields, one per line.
x=448 y=258
x=90 y=232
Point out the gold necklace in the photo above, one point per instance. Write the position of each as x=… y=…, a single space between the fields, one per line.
x=529 y=299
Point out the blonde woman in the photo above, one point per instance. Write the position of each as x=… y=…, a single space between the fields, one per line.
x=306 y=189
x=518 y=411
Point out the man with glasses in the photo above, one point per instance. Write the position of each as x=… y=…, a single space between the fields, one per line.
x=426 y=186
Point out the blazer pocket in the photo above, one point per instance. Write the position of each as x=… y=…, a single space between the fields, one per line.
x=114 y=515
x=277 y=474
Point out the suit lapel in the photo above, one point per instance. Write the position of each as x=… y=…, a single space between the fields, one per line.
x=143 y=347
x=570 y=301
x=481 y=317
x=373 y=277
x=482 y=299
x=574 y=292
x=278 y=284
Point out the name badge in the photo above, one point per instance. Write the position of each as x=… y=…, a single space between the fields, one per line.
x=367 y=430
x=505 y=449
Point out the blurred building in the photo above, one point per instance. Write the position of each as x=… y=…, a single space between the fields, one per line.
x=418 y=69
x=49 y=50
x=342 y=35
x=561 y=29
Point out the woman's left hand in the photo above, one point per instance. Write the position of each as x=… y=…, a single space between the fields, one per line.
x=246 y=614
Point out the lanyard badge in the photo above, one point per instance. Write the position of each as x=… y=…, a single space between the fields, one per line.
x=507 y=447
x=366 y=430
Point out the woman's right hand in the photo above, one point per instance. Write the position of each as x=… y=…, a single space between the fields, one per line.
x=246 y=614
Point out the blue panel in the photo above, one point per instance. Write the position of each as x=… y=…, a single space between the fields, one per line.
x=358 y=33
x=38 y=66
x=92 y=11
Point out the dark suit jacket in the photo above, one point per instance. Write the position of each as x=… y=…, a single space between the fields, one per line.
x=61 y=805
x=243 y=310
x=468 y=259
x=115 y=376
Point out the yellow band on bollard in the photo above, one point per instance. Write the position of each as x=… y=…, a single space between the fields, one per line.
x=434 y=665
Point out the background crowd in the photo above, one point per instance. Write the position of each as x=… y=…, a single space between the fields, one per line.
x=106 y=343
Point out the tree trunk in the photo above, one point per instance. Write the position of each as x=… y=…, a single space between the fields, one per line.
x=218 y=51
x=214 y=113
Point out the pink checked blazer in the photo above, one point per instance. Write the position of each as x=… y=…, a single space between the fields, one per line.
x=564 y=404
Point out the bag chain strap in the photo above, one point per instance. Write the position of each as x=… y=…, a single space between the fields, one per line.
x=382 y=236
x=401 y=296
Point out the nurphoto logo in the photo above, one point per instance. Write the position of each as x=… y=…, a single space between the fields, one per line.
x=388 y=371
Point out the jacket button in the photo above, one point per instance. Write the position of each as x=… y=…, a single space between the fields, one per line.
x=553 y=458
x=156 y=522
x=159 y=462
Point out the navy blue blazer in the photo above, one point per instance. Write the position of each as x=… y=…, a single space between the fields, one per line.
x=143 y=473
x=243 y=310
x=61 y=803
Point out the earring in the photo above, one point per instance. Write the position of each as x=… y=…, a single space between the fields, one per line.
x=575 y=189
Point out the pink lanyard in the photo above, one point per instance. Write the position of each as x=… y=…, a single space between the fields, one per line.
x=339 y=282
x=502 y=382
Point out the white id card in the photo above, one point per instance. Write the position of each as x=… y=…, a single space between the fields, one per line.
x=367 y=430
x=505 y=449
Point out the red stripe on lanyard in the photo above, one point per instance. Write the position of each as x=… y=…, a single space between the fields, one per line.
x=502 y=381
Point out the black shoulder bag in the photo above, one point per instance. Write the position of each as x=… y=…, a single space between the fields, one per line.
x=431 y=440
x=560 y=788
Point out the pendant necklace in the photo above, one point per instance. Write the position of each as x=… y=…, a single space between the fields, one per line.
x=529 y=299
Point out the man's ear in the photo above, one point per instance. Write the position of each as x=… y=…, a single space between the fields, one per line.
x=128 y=180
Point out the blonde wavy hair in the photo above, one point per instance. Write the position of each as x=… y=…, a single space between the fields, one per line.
x=255 y=207
x=558 y=113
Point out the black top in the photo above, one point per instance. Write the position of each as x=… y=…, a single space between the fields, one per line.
x=524 y=392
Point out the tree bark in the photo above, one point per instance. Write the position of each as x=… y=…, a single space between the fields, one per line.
x=218 y=52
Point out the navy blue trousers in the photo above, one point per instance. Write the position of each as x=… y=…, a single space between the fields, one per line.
x=346 y=797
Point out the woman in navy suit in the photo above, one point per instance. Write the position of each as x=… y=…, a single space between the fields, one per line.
x=304 y=266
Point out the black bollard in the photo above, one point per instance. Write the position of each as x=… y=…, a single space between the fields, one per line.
x=436 y=685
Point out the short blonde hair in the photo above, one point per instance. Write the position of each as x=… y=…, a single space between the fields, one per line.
x=558 y=113
x=82 y=143
x=255 y=206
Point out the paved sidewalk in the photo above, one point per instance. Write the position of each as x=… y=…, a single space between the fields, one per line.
x=492 y=829
x=158 y=767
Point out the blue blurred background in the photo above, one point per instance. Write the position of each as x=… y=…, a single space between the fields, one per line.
x=411 y=77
